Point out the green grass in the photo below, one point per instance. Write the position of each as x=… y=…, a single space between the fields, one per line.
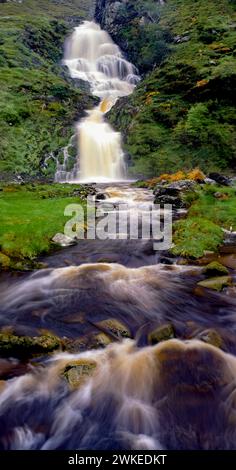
x=30 y=217
x=201 y=230
x=194 y=235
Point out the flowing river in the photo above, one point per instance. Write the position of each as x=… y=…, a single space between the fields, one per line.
x=177 y=394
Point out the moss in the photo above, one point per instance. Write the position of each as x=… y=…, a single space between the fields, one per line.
x=214 y=268
x=162 y=333
x=26 y=346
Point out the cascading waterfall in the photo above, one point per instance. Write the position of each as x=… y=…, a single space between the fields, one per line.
x=92 y=56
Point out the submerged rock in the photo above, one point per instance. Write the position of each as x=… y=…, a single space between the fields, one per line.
x=87 y=342
x=216 y=283
x=162 y=333
x=115 y=327
x=76 y=373
x=214 y=268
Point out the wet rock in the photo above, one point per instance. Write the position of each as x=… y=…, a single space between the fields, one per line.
x=215 y=269
x=211 y=337
x=100 y=197
x=26 y=346
x=87 y=342
x=166 y=260
x=220 y=179
x=77 y=372
x=115 y=327
x=100 y=341
x=162 y=333
x=216 y=283
x=63 y=240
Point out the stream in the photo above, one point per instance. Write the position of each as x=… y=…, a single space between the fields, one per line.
x=177 y=394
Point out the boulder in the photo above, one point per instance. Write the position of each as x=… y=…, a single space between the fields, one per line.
x=220 y=179
x=173 y=193
x=162 y=333
x=216 y=283
x=78 y=372
x=175 y=201
x=215 y=269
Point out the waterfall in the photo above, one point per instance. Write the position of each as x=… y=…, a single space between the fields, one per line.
x=92 y=56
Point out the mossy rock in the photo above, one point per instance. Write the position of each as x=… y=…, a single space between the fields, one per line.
x=76 y=373
x=101 y=340
x=115 y=327
x=87 y=342
x=215 y=269
x=216 y=283
x=162 y=333
x=26 y=346
x=212 y=337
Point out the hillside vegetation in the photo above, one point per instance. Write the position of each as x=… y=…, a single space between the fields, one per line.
x=182 y=114
x=39 y=103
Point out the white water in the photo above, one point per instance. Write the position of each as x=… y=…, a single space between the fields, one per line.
x=92 y=56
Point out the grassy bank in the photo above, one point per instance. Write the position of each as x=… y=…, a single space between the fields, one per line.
x=213 y=208
x=30 y=216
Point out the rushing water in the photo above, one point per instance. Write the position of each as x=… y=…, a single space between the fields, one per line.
x=92 y=56
x=178 y=394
